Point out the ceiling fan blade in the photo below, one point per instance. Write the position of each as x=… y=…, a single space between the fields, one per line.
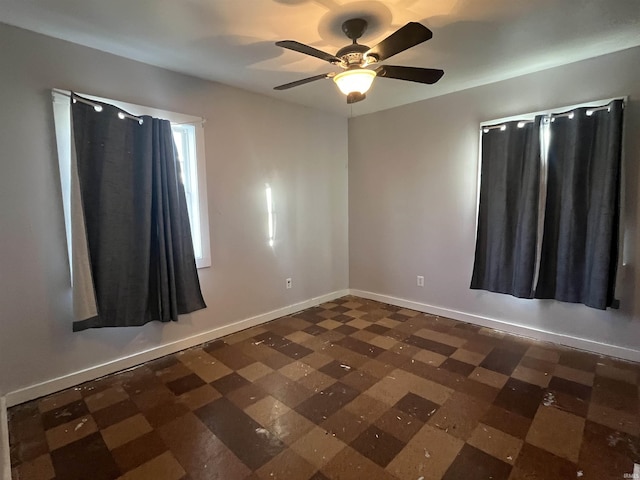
x=412 y=74
x=410 y=35
x=307 y=50
x=302 y=82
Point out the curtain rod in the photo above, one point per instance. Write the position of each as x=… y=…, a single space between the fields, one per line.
x=98 y=108
x=122 y=114
x=503 y=126
x=590 y=112
x=552 y=116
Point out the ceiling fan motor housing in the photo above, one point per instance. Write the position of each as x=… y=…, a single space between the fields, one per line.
x=353 y=55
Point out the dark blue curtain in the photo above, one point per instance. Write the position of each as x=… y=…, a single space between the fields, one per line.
x=135 y=213
x=508 y=211
x=582 y=216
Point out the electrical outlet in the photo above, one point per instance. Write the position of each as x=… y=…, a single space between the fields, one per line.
x=289 y=283
x=420 y=281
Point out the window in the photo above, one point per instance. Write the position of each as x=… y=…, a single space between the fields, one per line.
x=549 y=204
x=184 y=136
x=188 y=134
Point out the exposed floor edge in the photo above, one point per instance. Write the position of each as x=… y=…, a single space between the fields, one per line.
x=55 y=385
x=5 y=459
x=537 y=334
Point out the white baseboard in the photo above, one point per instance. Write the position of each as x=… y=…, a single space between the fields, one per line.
x=75 y=378
x=5 y=459
x=72 y=379
x=523 y=330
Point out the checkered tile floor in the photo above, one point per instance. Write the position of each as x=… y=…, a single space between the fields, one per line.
x=351 y=389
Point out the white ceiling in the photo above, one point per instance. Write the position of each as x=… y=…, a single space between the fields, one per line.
x=232 y=41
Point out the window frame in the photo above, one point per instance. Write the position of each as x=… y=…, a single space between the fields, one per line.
x=61 y=98
x=188 y=158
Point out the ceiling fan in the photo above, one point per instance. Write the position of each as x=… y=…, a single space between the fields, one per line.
x=356 y=79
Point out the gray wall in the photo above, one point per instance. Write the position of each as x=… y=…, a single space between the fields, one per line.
x=413 y=187
x=250 y=140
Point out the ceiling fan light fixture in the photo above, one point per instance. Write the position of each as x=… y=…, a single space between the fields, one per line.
x=357 y=80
